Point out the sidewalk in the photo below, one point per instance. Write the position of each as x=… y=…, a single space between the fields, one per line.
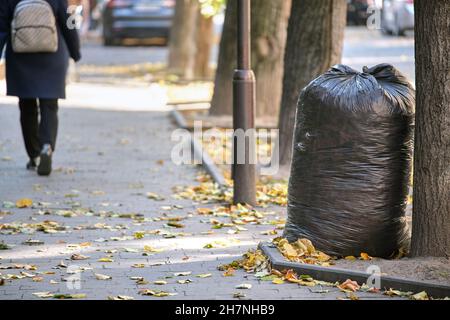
x=95 y=205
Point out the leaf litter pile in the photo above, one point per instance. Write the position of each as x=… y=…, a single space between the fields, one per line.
x=256 y=263
x=224 y=216
x=233 y=219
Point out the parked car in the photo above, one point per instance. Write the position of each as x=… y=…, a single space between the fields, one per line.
x=397 y=16
x=357 y=11
x=138 y=19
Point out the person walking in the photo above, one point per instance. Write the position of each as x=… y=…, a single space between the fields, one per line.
x=40 y=36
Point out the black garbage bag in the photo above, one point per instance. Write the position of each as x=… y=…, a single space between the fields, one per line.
x=351 y=166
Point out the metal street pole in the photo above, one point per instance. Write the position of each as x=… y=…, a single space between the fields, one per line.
x=244 y=172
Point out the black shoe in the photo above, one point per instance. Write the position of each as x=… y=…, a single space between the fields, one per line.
x=45 y=164
x=32 y=164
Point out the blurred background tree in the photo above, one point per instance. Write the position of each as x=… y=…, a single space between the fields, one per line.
x=205 y=36
x=182 y=47
x=269 y=26
x=192 y=37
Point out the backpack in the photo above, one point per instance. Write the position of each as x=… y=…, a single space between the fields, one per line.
x=33 y=28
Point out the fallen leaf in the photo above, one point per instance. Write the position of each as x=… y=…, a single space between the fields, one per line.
x=420 y=296
x=182 y=274
x=24 y=203
x=106 y=259
x=184 y=281
x=156 y=293
x=204 y=211
x=150 y=249
x=32 y=242
x=99 y=276
x=160 y=282
x=43 y=294
x=349 y=286
x=70 y=296
x=205 y=275
x=238 y=295
x=244 y=286
x=175 y=225
x=391 y=292
x=350 y=258
x=120 y=297
x=77 y=256
x=154 y=196
x=277 y=281
x=365 y=256
x=269 y=277
x=3 y=246
x=352 y=296
x=229 y=272
x=139 y=235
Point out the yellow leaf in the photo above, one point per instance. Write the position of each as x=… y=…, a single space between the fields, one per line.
x=352 y=296
x=24 y=203
x=229 y=273
x=105 y=260
x=322 y=257
x=306 y=283
x=365 y=256
x=308 y=244
x=204 y=211
x=278 y=281
x=350 y=258
x=139 y=235
x=289 y=250
x=420 y=296
x=150 y=249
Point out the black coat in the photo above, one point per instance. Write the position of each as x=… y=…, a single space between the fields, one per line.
x=38 y=75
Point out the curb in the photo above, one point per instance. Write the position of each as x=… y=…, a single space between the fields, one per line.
x=197 y=148
x=331 y=274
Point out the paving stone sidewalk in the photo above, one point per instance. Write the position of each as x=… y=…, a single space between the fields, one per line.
x=107 y=161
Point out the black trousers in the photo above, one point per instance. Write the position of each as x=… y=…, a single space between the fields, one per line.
x=37 y=132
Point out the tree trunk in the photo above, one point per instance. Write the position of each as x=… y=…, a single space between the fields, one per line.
x=222 y=100
x=182 y=39
x=431 y=203
x=269 y=26
x=204 y=43
x=314 y=44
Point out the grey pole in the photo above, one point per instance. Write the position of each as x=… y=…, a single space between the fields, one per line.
x=244 y=172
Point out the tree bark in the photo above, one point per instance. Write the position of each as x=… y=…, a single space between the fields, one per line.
x=204 y=43
x=314 y=44
x=269 y=30
x=182 y=39
x=222 y=100
x=431 y=203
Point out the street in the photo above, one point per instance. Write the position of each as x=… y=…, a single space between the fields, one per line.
x=108 y=222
